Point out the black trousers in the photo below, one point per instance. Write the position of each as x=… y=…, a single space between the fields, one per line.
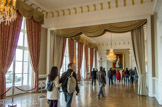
x=53 y=103
x=132 y=79
x=94 y=81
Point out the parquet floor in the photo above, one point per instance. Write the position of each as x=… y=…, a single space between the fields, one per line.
x=115 y=96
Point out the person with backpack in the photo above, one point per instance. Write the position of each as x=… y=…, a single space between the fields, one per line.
x=52 y=85
x=102 y=82
x=69 y=84
x=110 y=75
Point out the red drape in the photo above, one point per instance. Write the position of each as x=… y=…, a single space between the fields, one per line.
x=71 y=49
x=80 y=57
x=95 y=58
x=9 y=35
x=91 y=60
x=34 y=39
x=63 y=51
x=86 y=60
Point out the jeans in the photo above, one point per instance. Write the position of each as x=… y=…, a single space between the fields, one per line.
x=127 y=79
x=100 y=90
x=110 y=80
x=68 y=98
x=114 y=78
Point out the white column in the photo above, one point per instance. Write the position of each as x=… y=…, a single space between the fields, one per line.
x=48 y=51
x=130 y=59
x=149 y=54
x=159 y=49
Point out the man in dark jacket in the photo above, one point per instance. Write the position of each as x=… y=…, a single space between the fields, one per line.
x=102 y=81
x=93 y=74
x=64 y=80
x=127 y=76
x=132 y=74
x=110 y=76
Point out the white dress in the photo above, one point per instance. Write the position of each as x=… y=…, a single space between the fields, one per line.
x=53 y=95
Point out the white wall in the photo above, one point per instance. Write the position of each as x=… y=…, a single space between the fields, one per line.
x=157 y=81
x=118 y=46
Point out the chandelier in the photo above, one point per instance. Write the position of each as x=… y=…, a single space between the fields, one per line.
x=111 y=56
x=7 y=11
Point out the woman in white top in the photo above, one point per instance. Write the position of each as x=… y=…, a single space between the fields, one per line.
x=52 y=96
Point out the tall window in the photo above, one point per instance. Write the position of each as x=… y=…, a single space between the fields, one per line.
x=21 y=64
x=65 y=60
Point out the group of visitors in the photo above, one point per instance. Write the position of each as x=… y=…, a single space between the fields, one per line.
x=125 y=76
x=68 y=82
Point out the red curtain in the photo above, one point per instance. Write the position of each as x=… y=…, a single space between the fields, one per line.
x=63 y=51
x=80 y=57
x=95 y=58
x=9 y=35
x=91 y=60
x=34 y=39
x=86 y=59
x=71 y=49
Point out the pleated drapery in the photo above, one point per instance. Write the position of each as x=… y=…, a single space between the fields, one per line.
x=34 y=39
x=9 y=35
x=63 y=51
x=138 y=43
x=98 y=30
x=29 y=12
x=91 y=60
x=71 y=49
x=80 y=57
x=86 y=60
x=56 y=51
x=95 y=58
x=85 y=41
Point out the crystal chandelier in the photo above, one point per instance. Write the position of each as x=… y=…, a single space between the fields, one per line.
x=7 y=11
x=111 y=56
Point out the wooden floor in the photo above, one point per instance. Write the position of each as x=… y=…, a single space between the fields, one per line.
x=115 y=96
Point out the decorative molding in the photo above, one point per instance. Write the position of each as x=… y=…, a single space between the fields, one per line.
x=89 y=8
x=114 y=43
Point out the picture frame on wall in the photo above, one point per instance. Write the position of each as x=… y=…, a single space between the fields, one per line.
x=118 y=63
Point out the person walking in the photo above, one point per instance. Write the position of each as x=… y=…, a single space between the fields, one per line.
x=102 y=82
x=53 y=93
x=65 y=87
x=127 y=76
x=123 y=76
x=118 y=77
x=110 y=75
x=132 y=74
x=114 y=76
x=93 y=74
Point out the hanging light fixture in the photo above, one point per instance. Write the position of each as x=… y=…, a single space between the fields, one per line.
x=7 y=11
x=111 y=56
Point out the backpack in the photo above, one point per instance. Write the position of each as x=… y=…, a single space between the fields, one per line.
x=71 y=84
x=49 y=86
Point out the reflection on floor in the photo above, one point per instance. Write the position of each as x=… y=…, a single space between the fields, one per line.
x=115 y=96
